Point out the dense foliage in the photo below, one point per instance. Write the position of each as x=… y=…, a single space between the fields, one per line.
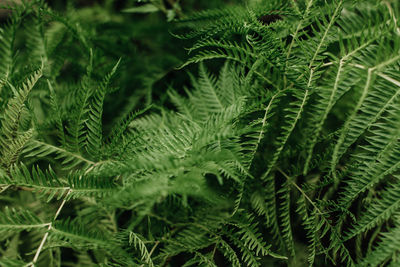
x=273 y=142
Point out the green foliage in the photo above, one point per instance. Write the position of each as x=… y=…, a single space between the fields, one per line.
x=274 y=142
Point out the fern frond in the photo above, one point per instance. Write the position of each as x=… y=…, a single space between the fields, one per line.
x=12 y=220
x=137 y=242
x=328 y=95
x=11 y=141
x=247 y=255
x=74 y=231
x=284 y=214
x=77 y=128
x=6 y=262
x=368 y=103
x=229 y=253
x=293 y=116
x=387 y=247
x=118 y=130
x=378 y=159
x=11 y=153
x=188 y=240
x=94 y=123
x=225 y=50
x=48 y=185
x=201 y=260
x=56 y=110
x=7 y=35
x=378 y=212
x=13 y=112
x=271 y=202
x=35 y=148
x=309 y=222
x=252 y=239
x=37 y=45
x=260 y=128
x=206 y=93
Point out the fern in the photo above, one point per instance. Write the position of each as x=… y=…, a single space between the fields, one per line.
x=15 y=221
x=386 y=248
x=12 y=141
x=138 y=244
x=273 y=141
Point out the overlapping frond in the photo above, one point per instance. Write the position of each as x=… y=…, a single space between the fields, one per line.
x=291 y=149
x=378 y=159
x=386 y=249
x=378 y=212
x=371 y=103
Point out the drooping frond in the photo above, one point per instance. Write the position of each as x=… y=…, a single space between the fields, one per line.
x=284 y=214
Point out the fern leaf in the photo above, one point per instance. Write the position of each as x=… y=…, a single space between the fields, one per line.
x=7 y=35
x=377 y=160
x=378 y=212
x=247 y=255
x=293 y=116
x=140 y=246
x=355 y=125
x=56 y=109
x=94 y=122
x=328 y=96
x=12 y=220
x=229 y=253
x=386 y=248
x=11 y=141
x=284 y=214
x=309 y=222
x=48 y=185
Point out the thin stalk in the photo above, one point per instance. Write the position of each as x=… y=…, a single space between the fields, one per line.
x=36 y=257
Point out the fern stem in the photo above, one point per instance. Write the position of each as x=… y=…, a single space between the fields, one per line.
x=390 y=9
x=152 y=251
x=323 y=118
x=154 y=248
x=336 y=153
x=286 y=135
x=309 y=4
x=337 y=238
x=389 y=79
x=338 y=7
x=300 y=190
x=264 y=122
x=36 y=257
